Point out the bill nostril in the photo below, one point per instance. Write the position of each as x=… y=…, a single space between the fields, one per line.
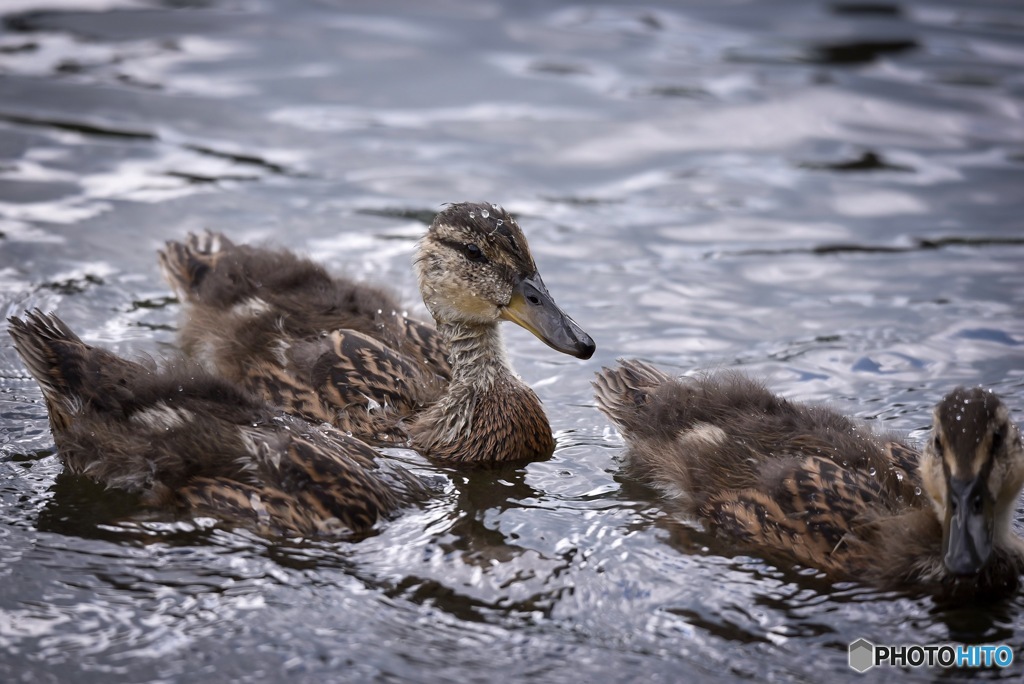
x=533 y=299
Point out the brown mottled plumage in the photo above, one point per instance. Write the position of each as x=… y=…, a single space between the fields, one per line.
x=808 y=483
x=328 y=348
x=182 y=438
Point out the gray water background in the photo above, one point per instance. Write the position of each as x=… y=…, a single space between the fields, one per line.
x=828 y=195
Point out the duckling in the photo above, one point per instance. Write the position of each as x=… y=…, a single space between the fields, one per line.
x=183 y=439
x=337 y=350
x=806 y=483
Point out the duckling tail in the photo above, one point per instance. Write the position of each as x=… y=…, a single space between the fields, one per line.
x=623 y=392
x=186 y=264
x=49 y=349
x=70 y=372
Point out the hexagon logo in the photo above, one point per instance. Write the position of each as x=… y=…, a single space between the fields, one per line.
x=862 y=655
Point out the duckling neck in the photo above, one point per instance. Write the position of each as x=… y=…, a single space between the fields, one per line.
x=487 y=414
x=476 y=353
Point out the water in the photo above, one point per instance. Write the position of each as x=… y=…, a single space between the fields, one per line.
x=827 y=195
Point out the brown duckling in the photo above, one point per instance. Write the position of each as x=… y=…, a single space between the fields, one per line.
x=333 y=349
x=184 y=439
x=807 y=483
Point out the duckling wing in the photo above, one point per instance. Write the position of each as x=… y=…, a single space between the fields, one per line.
x=904 y=461
x=278 y=473
x=810 y=507
x=369 y=386
x=424 y=343
x=307 y=481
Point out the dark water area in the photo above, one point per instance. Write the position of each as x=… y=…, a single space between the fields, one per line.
x=828 y=195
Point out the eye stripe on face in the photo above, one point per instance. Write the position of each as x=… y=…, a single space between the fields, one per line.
x=471 y=250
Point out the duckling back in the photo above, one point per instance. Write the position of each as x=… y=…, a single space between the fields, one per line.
x=698 y=437
x=181 y=437
x=242 y=284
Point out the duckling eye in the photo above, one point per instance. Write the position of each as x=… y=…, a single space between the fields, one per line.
x=474 y=253
x=997 y=440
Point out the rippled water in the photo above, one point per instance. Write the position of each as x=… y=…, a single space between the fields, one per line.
x=828 y=195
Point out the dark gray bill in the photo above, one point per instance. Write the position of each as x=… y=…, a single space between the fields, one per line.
x=533 y=308
x=967 y=542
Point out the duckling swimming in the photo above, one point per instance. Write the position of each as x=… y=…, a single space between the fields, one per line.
x=807 y=483
x=332 y=349
x=183 y=439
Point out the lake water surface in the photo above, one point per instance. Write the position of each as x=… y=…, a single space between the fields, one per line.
x=829 y=195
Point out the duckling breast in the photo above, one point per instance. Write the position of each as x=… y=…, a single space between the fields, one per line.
x=504 y=423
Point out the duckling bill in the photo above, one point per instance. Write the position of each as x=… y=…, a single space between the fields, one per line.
x=193 y=443
x=533 y=308
x=808 y=484
x=333 y=349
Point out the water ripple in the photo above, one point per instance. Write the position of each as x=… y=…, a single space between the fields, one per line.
x=824 y=195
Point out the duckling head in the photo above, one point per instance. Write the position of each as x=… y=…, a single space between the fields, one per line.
x=973 y=471
x=475 y=268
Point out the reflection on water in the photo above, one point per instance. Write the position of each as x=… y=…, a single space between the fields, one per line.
x=824 y=194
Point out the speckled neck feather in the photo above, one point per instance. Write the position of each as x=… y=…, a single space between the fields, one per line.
x=476 y=353
x=488 y=413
